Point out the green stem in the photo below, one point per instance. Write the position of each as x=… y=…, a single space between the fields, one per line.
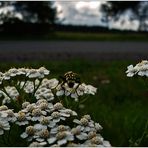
x=4 y=90
x=37 y=86
x=143 y=134
x=15 y=105
x=4 y=140
x=58 y=99
x=9 y=138
x=24 y=84
x=19 y=82
x=83 y=100
x=34 y=85
x=67 y=103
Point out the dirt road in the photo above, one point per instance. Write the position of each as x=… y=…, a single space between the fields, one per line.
x=61 y=50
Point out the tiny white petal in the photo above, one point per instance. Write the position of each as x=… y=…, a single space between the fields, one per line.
x=70 y=137
x=60 y=93
x=62 y=118
x=52 y=124
x=56 y=120
x=39 y=127
x=106 y=143
x=82 y=136
x=51 y=140
x=87 y=129
x=65 y=115
x=61 y=142
x=40 y=139
x=76 y=121
x=24 y=135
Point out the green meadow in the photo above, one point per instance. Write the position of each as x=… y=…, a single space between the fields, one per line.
x=80 y=36
x=100 y=36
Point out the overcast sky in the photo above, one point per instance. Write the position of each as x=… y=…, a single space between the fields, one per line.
x=87 y=13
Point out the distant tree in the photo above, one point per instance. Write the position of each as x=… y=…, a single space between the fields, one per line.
x=7 y=12
x=31 y=11
x=114 y=9
x=39 y=11
x=35 y=17
x=143 y=15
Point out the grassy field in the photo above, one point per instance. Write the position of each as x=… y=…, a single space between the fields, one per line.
x=121 y=104
x=80 y=36
x=110 y=36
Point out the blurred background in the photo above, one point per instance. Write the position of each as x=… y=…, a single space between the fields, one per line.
x=97 y=39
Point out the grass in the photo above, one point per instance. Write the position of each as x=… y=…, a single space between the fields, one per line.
x=121 y=104
x=80 y=36
x=110 y=36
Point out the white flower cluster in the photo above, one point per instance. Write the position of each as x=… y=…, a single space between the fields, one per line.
x=16 y=79
x=30 y=73
x=33 y=81
x=50 y=132
x=12 y=93
x=35 y=109
x=43 y=125
x=140 y=69
x=6 y=116
x=75 y=91
x=46 y=89
x=46 y=117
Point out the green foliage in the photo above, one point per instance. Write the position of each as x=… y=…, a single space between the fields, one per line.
x=114 y=8
x=78 y=36
x=110 y=36
x=37 y=12
x=40 y=11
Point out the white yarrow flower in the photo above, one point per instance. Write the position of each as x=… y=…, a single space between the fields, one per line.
x=140 y=69
x=89 y=89
x=4 y=125
x=29 y=133
x=13 y=72
x=37 y=144
x=22 y=118
x=52 y=83
x=33 y=73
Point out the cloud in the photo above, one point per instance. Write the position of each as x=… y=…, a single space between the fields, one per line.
x=88 y=8
x=80 y=12
x=88 y=13
x=125 y=22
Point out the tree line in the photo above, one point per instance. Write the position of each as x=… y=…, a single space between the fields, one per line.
x=39 y=17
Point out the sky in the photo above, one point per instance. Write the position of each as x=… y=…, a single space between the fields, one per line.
x=88 y=13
